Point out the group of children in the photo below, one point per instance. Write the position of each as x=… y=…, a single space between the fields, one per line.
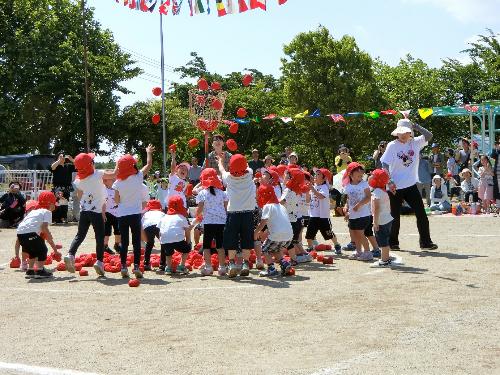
x=236 y=210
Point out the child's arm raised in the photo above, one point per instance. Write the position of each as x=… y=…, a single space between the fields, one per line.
x=173 y=164
x=149 y=161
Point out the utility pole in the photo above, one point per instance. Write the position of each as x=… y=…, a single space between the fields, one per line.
x=85 y=63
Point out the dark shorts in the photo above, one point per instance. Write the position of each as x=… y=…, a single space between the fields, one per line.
x=151 y=232
x=169 y=248
x=257 y=216
x=364 y=223
x=305 y=221
x=319 y=224
x=33 y=245
x=111 y=222
x=297 y=228
x=213 y=232
x=383 y=234
x=238 y=232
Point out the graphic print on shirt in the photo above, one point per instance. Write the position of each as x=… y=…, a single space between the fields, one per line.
x=406 y=158
x=88 y=203
x=356 y=196
x=179 y=187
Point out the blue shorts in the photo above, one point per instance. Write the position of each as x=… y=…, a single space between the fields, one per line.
x=238 y=232
x=383 y=234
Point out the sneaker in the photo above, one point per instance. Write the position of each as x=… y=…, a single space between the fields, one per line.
x=245 y=269
x=169 y=271
x=351 y=246
x=233 y=270
x=431 y=246
x=309 y=249
x=43 y=274
x=270 y=272
x=260 y=265
x=222 y=270
x=30 y=274
x=354 y=255
x=302 y=259
x=182 y=270
x=395 y=247
x=366 y=255
x=69 y=261
x=147 y=267
x=108 y=250
x=24 y=266
x=207 y=271
x=124 y=273
x=137 y=272
x=381 y=263
x=285 y=267
x=99 y=268
x=161 y=268
x=338 y=249
x=376 y=253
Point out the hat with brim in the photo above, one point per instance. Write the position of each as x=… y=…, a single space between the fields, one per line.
x=403 y=126
x=464 y=171
x=438 y=177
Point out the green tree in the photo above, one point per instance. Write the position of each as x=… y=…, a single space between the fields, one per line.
x=42 y=76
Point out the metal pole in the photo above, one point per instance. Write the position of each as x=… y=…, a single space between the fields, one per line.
x=163 y=98
x=483 y=128
x=87 y=96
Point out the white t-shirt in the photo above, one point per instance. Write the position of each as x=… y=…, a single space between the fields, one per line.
x=278 y=190
x=470 y=186
x=320 y=207
x=151 y=218
x=403 y=160
x=162 y=196
x=111 y=206
x=291 y=204
x=355 y=194
x=240 y=191
x=172 y=228
x=32 y=223
x=145 y=193
x=214 y=211
x=280 y=229
x=303 y=205
x=131 y=192
x=177 y=186
x=384 y=205
x=93 y=192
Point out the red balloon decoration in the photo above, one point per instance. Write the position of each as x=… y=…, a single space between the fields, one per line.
x=193 y=143
x=215 y=86
x=202 y=84
x=156 y=119
x=233 y=128
x=217 y=105
x=172 y=148
x=247 y=80
x=200 y=99
x=202 y=124
x=231 y=145
x=157 y=91
x=241 y=113
x=213 y=125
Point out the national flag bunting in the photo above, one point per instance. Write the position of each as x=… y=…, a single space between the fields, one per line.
x=337 y=118
x=242 y=5
x=254 y=4
x=315 y=114
x=198 y=7
x=389 y=112
x=221 y=10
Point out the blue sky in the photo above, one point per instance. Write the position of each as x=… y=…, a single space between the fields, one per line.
x=389 y=29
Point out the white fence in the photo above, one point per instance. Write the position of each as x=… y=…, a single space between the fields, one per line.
x=30 y=181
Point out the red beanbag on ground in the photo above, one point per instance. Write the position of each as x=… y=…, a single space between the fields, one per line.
x=84 y=273
x=134 y=283
x=61 y=267
x=328 y=260
x=320 y=258
x=15 y=263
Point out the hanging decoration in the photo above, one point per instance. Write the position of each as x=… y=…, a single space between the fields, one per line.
x=241 y=112
x=247 y=80
x=425 y=112
x=157 y=91
x=156 y=119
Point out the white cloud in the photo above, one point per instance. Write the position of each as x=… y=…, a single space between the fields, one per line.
x=467 y=10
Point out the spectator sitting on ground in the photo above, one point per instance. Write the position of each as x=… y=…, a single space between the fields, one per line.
x=12 y=205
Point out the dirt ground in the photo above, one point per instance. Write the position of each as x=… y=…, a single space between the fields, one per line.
x=437 y=314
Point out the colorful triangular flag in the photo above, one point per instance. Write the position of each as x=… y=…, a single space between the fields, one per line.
x=372 y=114
x=164 y=7
x=272 y=116
x=254 y=4
x=389 y=112
x=221 y=10
x=425 y=112
x=406 y=113
x=281 y=2
x=229 y=7
x=337 y=118
x=242 y=5
x=316 y=113
x=302 y=115
x=198 y=7
x=286 y=120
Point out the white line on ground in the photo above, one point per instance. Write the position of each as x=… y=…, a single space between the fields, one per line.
x=161 y=290
x=374 y=272
x=26 y=369
x=454 y=235
x=343 y=366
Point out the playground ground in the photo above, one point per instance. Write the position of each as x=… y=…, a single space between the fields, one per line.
x=439 y=313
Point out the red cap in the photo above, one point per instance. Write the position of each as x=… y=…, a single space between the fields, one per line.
x=84 y=165
x=266 y=195
x=153 y=205
x=238 y=165
x=378 y=179
x=347 y=174
x=31 y=205
x=281 y=168
x=296 y=182
x=126 y=167
x=176 y=206
x=326 y=174
x=45 y=199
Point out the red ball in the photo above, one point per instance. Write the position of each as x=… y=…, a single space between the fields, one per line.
x=157 y=91
x=247 y=80
x=231 y=145
x=15 y=263
x=84 y=273
x=217 y=104
x=61 y=267
x=202 y=124
x=320 y=258
x=215 y=86
x=172 y=148
x=134 y=283
x=327 y=260
x=156 y=119
x=78 y=266
x=291 y=272
x=212 y=125
x=200 y=99
x=202 y=84
x=241 y=113
x=233 y=129
x=193 y=143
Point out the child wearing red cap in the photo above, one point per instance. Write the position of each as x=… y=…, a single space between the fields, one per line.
x=381 y=209
x=150 y=219
x=29 y=232
x=22 y=262
x=91 y=193
x=212 y=205
x=177 y=180
x=175 y=234
x=111 y=214
x=129 y=195
x=276 y=217
x=319 y=210
x=240 y=190
x=358 y=212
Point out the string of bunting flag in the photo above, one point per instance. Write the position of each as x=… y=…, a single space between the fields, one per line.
x=223 y=7
x=337 y=117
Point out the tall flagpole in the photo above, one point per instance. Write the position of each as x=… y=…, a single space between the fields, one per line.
x=85 y=63
x=163 y=97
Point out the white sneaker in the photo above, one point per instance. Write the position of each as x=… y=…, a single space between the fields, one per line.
x=354 y=255
x=207 y=271
x=124 y=273
x=69 y=261
x=137 y=273
x=222 y=270
x=233 y=270
x=260 y=265
x=99 y=268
